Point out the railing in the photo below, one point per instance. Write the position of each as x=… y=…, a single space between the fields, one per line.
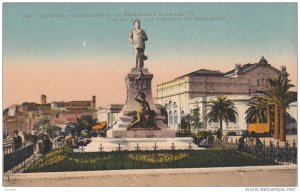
x=15 y=159
x=285 y=154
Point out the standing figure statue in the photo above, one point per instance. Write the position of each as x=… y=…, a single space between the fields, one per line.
x=137 y=38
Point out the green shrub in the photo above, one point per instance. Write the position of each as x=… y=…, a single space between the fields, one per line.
x=63 y=160
x=200 y=135
x=183 y=134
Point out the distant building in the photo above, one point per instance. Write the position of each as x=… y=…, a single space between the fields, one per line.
x=23 y=117
x=186 y=92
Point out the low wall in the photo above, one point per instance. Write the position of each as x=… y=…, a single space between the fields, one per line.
x=109 y=144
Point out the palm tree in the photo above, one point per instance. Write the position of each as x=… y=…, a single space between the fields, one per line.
x=257 y=111
x=221 y=109
x=282 y=97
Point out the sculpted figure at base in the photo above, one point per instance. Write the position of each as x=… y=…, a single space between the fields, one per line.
x=137 y=38
x=144 y=115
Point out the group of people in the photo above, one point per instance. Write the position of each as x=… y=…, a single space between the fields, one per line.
x=72 y=141
x=43 y=143
x=241 y=143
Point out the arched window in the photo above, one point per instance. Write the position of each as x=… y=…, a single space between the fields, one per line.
x=174 y=105
x=166 y=106
x=170 y=118
x=170 y=105
x=175 y=117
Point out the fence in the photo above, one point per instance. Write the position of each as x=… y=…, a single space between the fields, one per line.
x=286 y=154
x=15 y=159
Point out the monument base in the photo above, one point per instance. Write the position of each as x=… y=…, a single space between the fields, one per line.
x=131 y=144
x=140 y=133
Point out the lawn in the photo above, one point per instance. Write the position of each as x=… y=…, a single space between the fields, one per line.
x=64 y=159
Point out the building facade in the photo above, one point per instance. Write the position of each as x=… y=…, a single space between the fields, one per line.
x=195 y=89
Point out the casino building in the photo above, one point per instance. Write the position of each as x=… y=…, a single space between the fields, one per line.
x=182 y=94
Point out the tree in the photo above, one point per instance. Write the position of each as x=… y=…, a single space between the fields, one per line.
x=196 y=117
x=72 y=128
x=257 y=111
x=86 y=122
x=40 y=123
x=185 y=123
x=278 y=91
x=50 y=129
x=221 y=109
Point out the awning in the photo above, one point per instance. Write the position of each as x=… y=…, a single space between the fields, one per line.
x=101 y=125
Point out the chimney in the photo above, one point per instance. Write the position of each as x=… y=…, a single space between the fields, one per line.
x=43 y=99
x=94 y=102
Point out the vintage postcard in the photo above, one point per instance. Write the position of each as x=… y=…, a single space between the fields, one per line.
x=150 y=94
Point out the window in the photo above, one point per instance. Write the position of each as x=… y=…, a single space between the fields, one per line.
x=257 y=82
x=170 y=105
x=170 y=118
x=175 y=105
x=175 y=117
x=166 y=106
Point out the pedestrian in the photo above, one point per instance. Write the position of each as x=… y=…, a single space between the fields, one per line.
x=17 y=140
x=40 y=144
x=219 y=134
x=47 y=144
x=34 y=139
x=69 y=141
x=241 y=143
x=259 y=145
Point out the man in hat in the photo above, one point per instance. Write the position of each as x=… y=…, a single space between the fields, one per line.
x=137 y=38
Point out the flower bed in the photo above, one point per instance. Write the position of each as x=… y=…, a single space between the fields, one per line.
x=64 y=160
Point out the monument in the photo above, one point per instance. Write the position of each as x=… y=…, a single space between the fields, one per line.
x=140 y=118
x=141 y=124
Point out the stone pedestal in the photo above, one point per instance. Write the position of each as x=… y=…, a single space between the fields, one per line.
x=139 y=80
x=112 y=144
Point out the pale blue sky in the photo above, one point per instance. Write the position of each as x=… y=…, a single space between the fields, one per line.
x=268 y=27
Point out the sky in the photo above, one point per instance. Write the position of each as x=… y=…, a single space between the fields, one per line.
x=72 y=51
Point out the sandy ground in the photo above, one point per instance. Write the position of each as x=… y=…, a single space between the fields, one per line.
x=243 y=176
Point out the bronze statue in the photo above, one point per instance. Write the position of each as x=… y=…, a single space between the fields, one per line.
x=144 y=111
